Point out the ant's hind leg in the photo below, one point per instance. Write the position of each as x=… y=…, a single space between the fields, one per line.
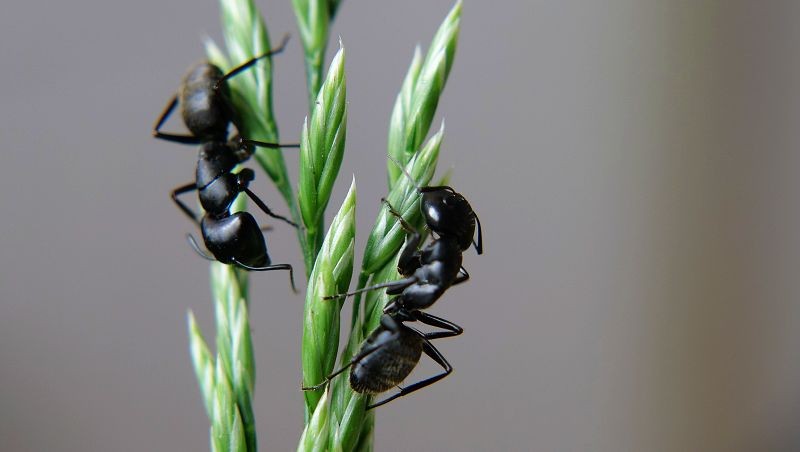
x=269 y=268
x=449 y=329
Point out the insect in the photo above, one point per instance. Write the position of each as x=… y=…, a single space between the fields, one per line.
x=392 y=351
x=232 y=238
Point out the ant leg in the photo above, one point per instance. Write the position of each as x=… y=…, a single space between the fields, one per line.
x=479 y=244
x=399 y=284
x=389 y=324
x=435 y=355
x=365 y=351
x=408 y=228
x=233 y=72
x=265 y=144
x=463 y=276
x=197 y=248
x=269 y=268
x=266 y=209
x=185 y=139
x=450 y=328
x=181 y=190
x=408 y=261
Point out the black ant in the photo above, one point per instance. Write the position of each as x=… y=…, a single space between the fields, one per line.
x=232 y=238
x=392 y=351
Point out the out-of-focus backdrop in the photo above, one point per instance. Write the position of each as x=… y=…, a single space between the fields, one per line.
x=635 y=166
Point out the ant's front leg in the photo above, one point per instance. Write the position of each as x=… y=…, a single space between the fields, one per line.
x=184 y=139
x=409 y=260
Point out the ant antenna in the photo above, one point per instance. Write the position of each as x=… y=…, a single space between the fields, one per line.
x=197 y=249
x=403 y=169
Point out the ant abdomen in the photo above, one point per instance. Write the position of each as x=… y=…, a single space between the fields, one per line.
x=235 y=238
x=205 y=112
x=389 y=365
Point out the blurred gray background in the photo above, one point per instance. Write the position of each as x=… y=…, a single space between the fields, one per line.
x=635 y=166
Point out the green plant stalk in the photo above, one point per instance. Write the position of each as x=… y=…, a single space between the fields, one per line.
x=227 y=390
x=350 y=426
x=246 y=36
x=313 y=21
x=234 y=342
x=227 y=433
x=347 y=411
x=315 y=435
x=419 y=95
x=331 y=275
x=336 y=419
x=322 y=147
x=227 y=383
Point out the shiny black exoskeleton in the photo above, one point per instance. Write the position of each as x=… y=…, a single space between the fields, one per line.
x=232 y=238
x=448 y=213
x=392 y=351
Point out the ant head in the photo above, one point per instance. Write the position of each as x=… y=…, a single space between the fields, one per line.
x=447 y=213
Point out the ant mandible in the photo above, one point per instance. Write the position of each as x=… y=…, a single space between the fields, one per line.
x=232 y=238
x=393 y=349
